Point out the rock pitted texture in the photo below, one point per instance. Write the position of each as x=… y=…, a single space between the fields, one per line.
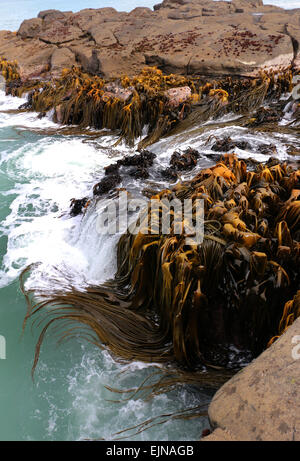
x=262 y=402
x=181 y=36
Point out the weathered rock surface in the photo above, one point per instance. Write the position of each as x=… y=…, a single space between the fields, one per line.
x=262 y=402
x=182 y=36
x=62 y=57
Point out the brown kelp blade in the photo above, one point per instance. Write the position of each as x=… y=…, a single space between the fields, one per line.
x=171 y=301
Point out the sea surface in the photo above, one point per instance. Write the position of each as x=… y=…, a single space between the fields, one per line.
x=42 y=168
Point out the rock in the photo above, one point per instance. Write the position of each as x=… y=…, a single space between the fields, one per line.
x=103 y=36
x=180 y=36
x=33 y=56
x=77 y=206
x=57 y=33
x=227 y=144
x=247 y=4
x=58 y=116
x=177 y=96
x=113 y=90
x=185 y=161
x=219 y=435
x=107 y=184
x=2 y=83
x=51 y=15
x=30 y=28
x=60 y=59
x=87 y=58
x=262 y=402
x=294 y=33
x=139 y=173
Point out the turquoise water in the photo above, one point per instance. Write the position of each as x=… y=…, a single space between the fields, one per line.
x=40 y=171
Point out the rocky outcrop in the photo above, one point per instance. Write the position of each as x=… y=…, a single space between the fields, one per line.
x=181 y=36
x=262 y=402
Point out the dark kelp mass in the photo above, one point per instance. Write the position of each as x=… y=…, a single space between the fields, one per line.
x=186 y=303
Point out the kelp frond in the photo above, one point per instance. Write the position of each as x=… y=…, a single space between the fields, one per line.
x=176 y=302
x=128 y=105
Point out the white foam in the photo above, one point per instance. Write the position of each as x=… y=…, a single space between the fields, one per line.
x=50 y=173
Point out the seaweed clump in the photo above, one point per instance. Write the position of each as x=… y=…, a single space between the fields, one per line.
x=183 y=302
x=149 y=105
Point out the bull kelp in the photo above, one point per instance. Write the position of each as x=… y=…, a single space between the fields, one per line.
x=150 y=100
x=173 y=301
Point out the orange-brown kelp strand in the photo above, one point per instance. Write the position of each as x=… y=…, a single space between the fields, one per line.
x=150 y=99
x=171 y=301
x=9 y=70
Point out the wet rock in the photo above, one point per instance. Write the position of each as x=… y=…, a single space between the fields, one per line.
x=185 y=161
x=264 y=115
x=144 y=159
x=112 y=169
x=170 y=173
x=58 y=115
x=107 y=184
x=139 y=173
x=113 y=90
x=262 y=401
x=141 y=162
x=77 y=206
x=267 y=150
x=227 y=144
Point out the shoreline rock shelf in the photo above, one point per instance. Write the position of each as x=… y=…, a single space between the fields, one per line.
x=187 y=37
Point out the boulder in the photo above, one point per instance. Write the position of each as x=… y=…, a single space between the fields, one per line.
x=262 y=402
x=177 y=96
x=31 y=28
x=51 y=15
x=113 y=90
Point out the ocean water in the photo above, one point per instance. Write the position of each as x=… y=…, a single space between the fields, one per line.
x=41 y=169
